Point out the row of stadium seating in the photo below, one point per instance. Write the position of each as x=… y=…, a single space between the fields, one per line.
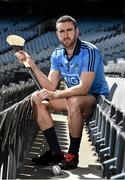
x=107 y=130
x=115 y=69
x=17 y=129
x=15 y=72
x=94 y=31
x=15 y=92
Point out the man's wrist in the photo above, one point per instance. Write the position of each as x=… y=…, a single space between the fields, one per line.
x=56 y=94
x=34 y=67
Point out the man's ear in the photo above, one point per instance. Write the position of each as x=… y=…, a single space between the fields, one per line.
x=77 y=31
x=57 y=33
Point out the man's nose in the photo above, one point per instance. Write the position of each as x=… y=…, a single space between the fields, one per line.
x=65 y=34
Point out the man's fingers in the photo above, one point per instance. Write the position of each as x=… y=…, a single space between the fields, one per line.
x=20 y=55
x=44 y=94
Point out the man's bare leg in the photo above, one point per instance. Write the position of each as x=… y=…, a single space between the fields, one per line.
x=78 y=108
x=43 y=110
x=45 y=123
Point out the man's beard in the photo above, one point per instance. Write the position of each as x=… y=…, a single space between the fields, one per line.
x=69 y=44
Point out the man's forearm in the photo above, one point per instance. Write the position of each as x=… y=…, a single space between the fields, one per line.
x=42 y=78
x=73 y=91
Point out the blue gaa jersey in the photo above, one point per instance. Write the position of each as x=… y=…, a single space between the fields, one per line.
x=86 y=58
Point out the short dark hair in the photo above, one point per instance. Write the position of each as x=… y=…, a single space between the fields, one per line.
x=66 y=18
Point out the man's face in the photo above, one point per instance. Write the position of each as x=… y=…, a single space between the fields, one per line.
x=67 y=34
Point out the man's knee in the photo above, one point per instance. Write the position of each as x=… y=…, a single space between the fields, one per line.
x=84 y=105
x=73 y=104
x=35 y=98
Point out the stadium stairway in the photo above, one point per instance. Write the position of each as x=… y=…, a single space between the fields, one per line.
x=88 y=168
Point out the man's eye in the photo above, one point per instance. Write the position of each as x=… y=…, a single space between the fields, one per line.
x=61 y=32
x=70 y=30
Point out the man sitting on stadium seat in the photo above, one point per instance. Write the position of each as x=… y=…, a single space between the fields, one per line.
x=80 y=64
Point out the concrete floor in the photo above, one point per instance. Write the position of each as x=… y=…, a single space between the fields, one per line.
x=88 y=168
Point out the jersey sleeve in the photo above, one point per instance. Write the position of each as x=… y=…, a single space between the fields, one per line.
x=54 y=64
x=91 y=60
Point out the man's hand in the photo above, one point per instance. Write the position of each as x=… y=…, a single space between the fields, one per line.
x=46 y=94
x=24 y=57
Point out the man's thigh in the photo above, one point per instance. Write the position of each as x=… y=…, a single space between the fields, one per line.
x=58 y=105
x=87 y=104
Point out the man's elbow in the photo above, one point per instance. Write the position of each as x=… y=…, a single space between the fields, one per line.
x=85 y=91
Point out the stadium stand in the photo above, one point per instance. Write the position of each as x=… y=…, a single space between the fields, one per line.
x=106 y=129
x=112 y=126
